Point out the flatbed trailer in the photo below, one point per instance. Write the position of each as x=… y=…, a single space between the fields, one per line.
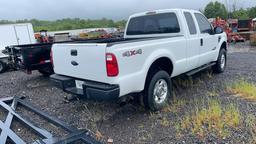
x=32 y=57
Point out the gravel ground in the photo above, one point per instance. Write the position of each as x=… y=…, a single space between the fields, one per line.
x=132 y=123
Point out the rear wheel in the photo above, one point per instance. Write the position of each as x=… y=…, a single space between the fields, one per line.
x=157 y=91
x=2 y=67
x=220 y=65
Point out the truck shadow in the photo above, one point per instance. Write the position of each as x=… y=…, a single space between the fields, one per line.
x=183 y=86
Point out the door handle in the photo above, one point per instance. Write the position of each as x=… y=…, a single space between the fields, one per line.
x=219 y=38
x=201 y=42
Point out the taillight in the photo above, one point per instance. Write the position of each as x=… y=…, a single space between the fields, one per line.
x=112 y=65
x=51 y=58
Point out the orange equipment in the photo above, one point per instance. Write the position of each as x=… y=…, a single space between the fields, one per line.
x=232 y=36
x=42 y=37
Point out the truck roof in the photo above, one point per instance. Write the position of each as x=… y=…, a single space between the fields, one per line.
x=162 y=11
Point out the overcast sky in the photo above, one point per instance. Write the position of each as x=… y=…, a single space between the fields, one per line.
x=95 y=9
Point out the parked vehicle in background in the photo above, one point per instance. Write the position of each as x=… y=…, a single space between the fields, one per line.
x=157 y=46
x=43 y=37
x=230 y=27
x=245 y=25
x=14 y=34
x=36 y=57
x=30 y=57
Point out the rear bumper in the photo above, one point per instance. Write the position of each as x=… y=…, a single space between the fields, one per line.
x=91 y=90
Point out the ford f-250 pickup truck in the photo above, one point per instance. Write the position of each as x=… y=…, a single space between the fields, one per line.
x=157 y=46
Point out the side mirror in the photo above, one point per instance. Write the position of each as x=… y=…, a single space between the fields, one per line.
x=218 y=30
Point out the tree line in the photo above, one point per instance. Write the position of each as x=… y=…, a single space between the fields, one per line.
x=217 y=9
x=68 y=24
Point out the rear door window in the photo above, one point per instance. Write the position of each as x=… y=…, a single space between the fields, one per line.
x=190 y=23
x=154 y=24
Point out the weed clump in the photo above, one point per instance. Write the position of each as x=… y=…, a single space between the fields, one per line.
x=244 y=89
x=211 y=118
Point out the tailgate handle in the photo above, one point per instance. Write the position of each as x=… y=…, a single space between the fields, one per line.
x=74 y=63
x=73 y=52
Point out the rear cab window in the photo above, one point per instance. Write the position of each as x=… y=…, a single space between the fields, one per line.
x=163 y=23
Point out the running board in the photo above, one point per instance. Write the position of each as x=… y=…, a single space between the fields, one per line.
x=190 y=73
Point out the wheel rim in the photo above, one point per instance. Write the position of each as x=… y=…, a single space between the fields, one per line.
x=223 y=61
x=160 y=91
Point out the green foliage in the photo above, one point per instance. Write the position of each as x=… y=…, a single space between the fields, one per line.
x=69 y=24
x=252 y=12
x=216 y=9
x=240 y=14
x=244 y=13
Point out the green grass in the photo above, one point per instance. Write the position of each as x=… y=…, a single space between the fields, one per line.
x=210 y=118
x=244 y=89
x=175 y=106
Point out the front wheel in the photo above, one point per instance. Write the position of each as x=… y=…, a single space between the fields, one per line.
x=157 y=91
x=221 y=63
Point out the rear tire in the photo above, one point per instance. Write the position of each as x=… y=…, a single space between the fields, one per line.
x=3 y=67
x=221 y=63
x=157 y=92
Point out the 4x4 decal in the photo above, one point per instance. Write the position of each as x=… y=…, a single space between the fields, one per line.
x=132 y=53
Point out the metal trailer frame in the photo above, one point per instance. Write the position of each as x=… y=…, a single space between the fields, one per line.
x=47 y=138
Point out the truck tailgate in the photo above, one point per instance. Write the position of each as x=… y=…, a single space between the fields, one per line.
x=83 y=61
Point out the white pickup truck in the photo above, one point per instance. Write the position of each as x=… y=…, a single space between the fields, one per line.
x=157 y=46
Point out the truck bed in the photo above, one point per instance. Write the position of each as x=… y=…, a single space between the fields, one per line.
x=114 y=41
